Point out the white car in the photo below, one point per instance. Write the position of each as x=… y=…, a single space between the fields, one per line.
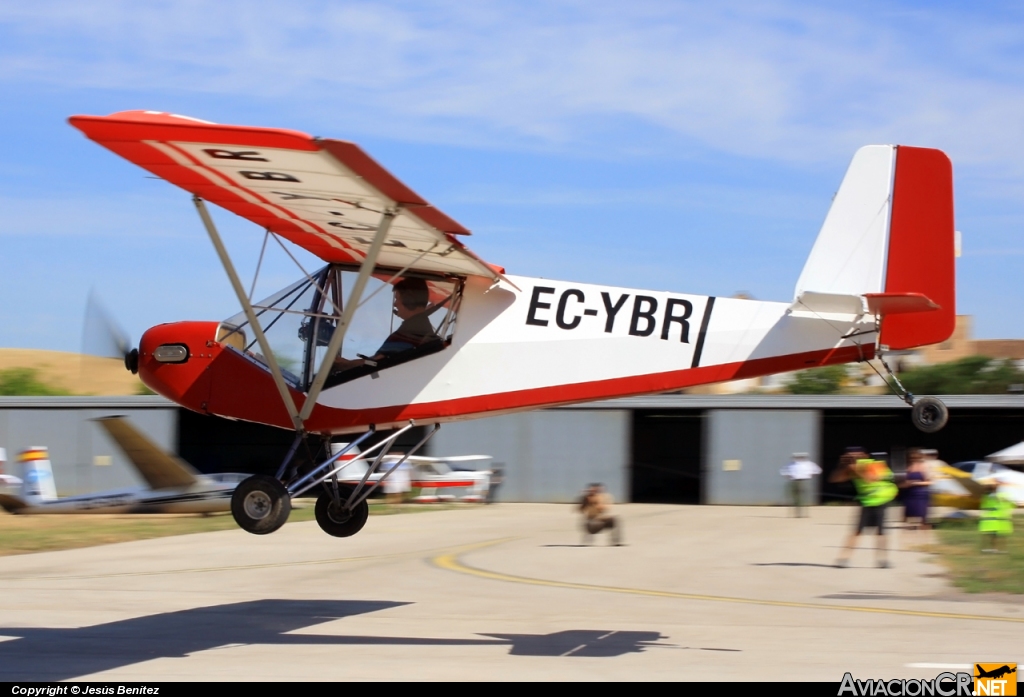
x=449 y=479
x=437 y=478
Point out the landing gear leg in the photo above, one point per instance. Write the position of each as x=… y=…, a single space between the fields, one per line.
x=929 y=414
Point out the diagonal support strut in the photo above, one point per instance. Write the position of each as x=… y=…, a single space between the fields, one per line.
x=236 y=283
x=334 y=346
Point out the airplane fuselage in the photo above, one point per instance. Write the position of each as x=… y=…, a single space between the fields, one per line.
x=204 y=497
x=537 y=344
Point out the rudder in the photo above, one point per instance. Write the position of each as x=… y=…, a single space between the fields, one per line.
x=921 y=247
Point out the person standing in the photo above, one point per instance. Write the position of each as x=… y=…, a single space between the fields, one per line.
x=875 y=489
x=801 y=472
x=916 y=494
x=996 y=523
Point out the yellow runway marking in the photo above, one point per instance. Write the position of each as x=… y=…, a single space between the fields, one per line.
x=451 y=562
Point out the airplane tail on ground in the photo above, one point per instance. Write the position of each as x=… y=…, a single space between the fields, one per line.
x=36 y=476
x=37 y=483
x=888 y=240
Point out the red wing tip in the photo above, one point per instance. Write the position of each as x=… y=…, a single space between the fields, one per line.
x=143 y=116
x=139 y=117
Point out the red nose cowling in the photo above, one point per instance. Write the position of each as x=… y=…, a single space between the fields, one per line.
x=212 y=379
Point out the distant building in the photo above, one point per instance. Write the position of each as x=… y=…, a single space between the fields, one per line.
x=961 y=345
x=665 y=448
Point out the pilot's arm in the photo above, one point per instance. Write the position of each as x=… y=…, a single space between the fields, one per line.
x=346 y=363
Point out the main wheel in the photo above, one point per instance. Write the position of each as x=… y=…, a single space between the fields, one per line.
x=929 y=414
x=260 y=504
x=336 y=521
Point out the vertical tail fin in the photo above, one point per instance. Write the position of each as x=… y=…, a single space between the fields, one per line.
x=37 y=482
x=889 y=233
x=160 y=469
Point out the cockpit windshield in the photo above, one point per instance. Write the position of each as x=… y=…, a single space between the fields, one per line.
x=397 y=319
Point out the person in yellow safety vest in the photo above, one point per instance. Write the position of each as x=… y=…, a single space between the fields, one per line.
x=996 y=523
x=875 y=490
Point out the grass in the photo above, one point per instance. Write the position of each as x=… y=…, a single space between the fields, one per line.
x=959 y=550
x=26 y=381
x=24 y=534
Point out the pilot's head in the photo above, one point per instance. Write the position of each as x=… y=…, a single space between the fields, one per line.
x=411 y=295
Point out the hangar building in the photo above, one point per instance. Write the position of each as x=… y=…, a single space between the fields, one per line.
x=716 y=449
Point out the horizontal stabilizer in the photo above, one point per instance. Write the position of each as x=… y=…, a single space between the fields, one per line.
x=899 y=303
x=11 y=504
x=829 y=303
x=879 y=304
x=160 y=469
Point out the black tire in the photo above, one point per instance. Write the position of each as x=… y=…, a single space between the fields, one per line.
x=336 y=522
x=260 y=504
x=929 y=414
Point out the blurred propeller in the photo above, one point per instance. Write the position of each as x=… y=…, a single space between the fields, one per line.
x=102 y=336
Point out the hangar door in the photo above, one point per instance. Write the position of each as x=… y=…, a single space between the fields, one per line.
x=747 y=448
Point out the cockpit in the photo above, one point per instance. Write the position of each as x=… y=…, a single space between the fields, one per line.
x=399 y=317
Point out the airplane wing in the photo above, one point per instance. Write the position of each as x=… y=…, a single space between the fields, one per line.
x=324 y=195
x=969 y=483
x=157 y=467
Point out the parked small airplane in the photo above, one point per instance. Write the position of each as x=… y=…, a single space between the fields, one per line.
x=472 y=341
x=962 y=485
x=173 y=485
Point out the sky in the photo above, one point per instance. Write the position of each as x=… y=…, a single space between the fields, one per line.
x=681 y=146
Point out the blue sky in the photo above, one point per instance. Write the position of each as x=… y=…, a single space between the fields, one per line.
x=662 y=145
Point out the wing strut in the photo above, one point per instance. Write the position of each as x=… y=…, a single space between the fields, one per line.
x=334 y=346
x=236 y=283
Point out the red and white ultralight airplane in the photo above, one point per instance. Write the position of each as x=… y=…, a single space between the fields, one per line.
x=474 y=341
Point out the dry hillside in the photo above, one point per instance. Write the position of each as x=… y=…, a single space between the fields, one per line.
x=77 y=374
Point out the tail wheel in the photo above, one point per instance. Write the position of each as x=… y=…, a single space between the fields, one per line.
x=929 y=414
x=335 y=520
x=260 y=504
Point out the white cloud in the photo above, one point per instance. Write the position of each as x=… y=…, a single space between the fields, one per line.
x=781 y=80
x=799 y=85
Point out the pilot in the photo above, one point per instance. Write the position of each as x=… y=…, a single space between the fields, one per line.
x=411 y=300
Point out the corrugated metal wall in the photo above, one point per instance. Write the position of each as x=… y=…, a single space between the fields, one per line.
x=83 y=456
x=746 y=448
x=548 y=456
